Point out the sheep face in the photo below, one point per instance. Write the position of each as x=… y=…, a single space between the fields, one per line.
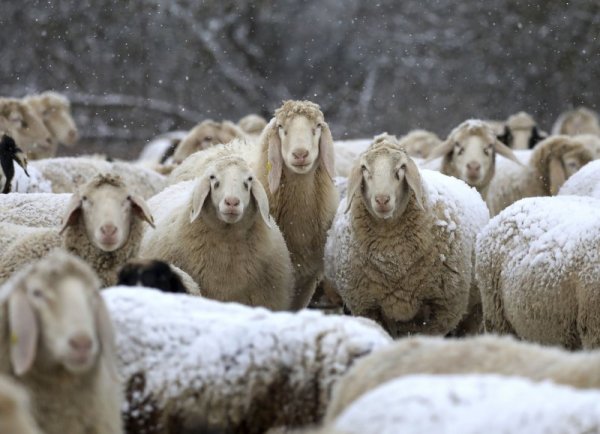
x=299 y=139
x=386 y=178
x=55 y=112
x=54 y=308
x=231 y=187
x=21 y=122
x=206 y=134
x=106 y=211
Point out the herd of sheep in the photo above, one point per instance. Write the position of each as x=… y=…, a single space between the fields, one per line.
x=183 y=292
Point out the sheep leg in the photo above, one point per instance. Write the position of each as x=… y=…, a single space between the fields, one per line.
x=493 y=306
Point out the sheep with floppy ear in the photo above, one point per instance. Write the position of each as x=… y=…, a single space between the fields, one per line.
x=217 y=229
x=403 y=256
x=296 y=166
x=57 y=339
x=552 y=162
x=469 y=153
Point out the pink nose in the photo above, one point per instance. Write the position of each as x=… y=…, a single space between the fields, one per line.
x=108 y=229
x=300 y=154
x=80 y=343
x=382 y=199
x=473 y=167
x=232 y=201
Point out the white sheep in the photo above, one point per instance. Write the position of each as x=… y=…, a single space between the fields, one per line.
x=20 y=122
x=217 y=229
x=33 y=209
x=419 y=143
x=469 y=153
x=102 y=223
x=586 y=182
x=471 y=404
x=252 y=125
x=552 y=162
x=10 y=154
x=54 y=110
x=521 y=132
x=296 y=166
x=486 y=354
x=57 y=340
x=152 y=273
x=577 y=121
x=15 y=409
x=192 y=361
x=404 y=255
x=537 y=270
x=66 y=174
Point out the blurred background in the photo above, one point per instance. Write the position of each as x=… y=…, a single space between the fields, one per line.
x=137 y=68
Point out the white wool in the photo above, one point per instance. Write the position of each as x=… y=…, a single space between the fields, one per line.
x=220 y=356
x=33 y=209
x=34 y=183
x=172 y=197
x=155 y=149
x=471 y=404
x=585 y=182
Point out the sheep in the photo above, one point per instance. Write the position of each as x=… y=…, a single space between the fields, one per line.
x=404 y=255
x=57 y=340
x=33 y=209
x=204 y=135
x=15 y=409
x=592 y=141
x=521 y=132
x=10 y=153
x=296 y=166
x=189 y=360
x=552 y=162
x=153 y=273
x=487 y=354
x=537 y=271
x=469 y=153
x=217 y=229
x=577 y=121
x=586 y=182
x=20 y=122
x=55 y=111
x=471 y=404
x=102 y=223
x=67 y=173
x=252 y=125
x=419 y=143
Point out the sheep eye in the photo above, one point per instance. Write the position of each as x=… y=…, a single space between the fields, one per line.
x=280 y=126
x=319 y=125
x=217 y=184
x=84 y=198
x=24 y=124
x=208 y=138
x=363 y=167
x=250 y=179
x=38 y=293
x=212 y=177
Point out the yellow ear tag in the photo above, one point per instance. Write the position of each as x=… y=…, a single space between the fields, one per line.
x=269 y=166
x=13 y=339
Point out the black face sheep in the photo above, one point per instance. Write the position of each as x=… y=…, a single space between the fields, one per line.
x=57 y=340
x=10 y=154
x=152 y=273
x=521 y=132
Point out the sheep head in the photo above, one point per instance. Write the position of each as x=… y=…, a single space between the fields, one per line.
x=420 y=143
x=54 y=308
x=521 y=132
x=233 y=190
x=469 y=153
x=204 y=135
x=55 y=111
x=580 y=121
x=106 y=208
x=298 y=137
x=386 y=178
x=22 y=124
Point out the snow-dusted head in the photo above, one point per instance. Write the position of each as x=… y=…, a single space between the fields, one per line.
x=252 y=124
x=385 y=178
x=469 y=153
x=24 y=126
x=578 y=121
x=106 y=208
x=204 y=135
x=299 y=139
x=230 y=191
x=56 y=316
x=55 y=111
x=557 y=158
x=521 y=132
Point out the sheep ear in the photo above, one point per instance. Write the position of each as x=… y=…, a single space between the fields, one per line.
x=140 y=207
x=557 y=175
x=275 y=160
x=326 y=152
x=413 y=179
x=441 y=150
x=23 y=332
x=262 y=201
x=72 y=212
x=199 y=195
x=106 y=334
x=355 y=180
x=506 y=152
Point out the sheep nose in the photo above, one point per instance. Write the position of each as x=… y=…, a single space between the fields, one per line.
x=232 y=201
x=81 y=343
x=473 y=166
x=382 y=199
x=108 y=229
x=300 y=154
